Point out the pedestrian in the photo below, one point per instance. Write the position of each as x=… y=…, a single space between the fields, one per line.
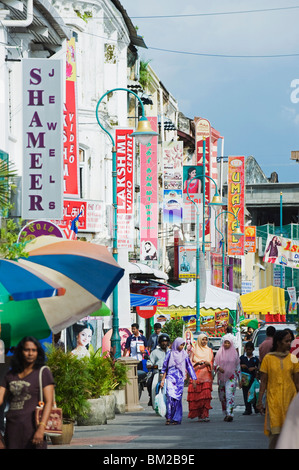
x=249 y=334
x=249 y=364
x=267 y=344
x=280 y=379
x=174 y=369
x=227 y=367
x=155 y=364
x=135 y=345
x=21 y=388
x=289 y=436
x=199 y=398
x=153 y=339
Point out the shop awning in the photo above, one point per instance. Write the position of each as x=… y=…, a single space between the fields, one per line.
x=138 y=300
x=144 y=269
x=267 y=301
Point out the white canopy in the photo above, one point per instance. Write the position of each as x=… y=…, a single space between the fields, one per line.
x=185 y=296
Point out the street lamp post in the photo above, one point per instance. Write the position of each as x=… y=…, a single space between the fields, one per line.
x=143 y=135
x=216 y=201
x=237 y=233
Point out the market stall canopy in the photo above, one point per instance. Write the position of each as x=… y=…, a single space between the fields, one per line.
x=216 y=298
x=267 y=301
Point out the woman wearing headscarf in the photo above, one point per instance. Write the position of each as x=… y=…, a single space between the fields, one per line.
x=199 y=398
x=227 y=366
x=174 y=369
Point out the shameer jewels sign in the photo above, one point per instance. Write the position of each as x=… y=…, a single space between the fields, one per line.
x=42 y=185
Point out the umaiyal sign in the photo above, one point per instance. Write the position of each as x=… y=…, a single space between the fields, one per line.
x=282 y=251
x=149 y=197
x=125 y=188
x=42 y=185
x=236 y=203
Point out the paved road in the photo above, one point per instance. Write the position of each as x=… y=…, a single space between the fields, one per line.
x=145 y=430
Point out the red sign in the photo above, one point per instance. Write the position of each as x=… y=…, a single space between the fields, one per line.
x=70 y=148
x=146 y=312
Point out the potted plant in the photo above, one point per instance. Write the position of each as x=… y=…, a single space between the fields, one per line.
x=71 y=389
x=120 y=374
x=101 y=384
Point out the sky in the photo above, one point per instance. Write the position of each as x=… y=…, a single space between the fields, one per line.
x=224 y=70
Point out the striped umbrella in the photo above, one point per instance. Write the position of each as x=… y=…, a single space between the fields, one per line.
x=87 y=272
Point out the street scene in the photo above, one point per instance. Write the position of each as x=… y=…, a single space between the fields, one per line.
x=149 y=228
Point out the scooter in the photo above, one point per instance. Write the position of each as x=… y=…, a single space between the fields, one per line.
x=142 y=379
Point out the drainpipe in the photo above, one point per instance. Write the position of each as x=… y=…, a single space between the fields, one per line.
x=21 y=23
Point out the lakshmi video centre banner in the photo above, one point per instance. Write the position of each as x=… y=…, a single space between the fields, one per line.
x=124 y=144
x=172 y=155
x=149 y=208
x=236 y=203
x=203 y=144
x=70 y=141
x=42 y=180
x=282 y=251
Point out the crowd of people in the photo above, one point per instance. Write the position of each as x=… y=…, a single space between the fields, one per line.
x=276 y=370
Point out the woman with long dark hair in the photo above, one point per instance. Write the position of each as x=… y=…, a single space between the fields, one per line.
x=20 y=388
x=280 y=378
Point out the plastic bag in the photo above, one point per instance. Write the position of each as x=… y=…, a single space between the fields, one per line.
x=245 y=379
x=160 y=402
x=253 y=392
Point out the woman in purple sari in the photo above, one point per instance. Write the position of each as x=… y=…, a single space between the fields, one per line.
x=174 y=369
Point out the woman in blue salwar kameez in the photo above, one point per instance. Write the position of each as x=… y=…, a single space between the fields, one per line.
x=174 y=369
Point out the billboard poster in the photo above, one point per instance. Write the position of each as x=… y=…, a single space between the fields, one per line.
x=149 y=209
x=187 y=261
x=125 y=188
x=250 y=239
x=235 y=205
x=172 y=155
x=195 y=193
x=92 y=218
x=70 y=142
x=173 y=206
x=42 y=183
x=282 y=251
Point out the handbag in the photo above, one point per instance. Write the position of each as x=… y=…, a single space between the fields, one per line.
x=54 y=424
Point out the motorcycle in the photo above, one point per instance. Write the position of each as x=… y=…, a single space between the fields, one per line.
x=142 y=380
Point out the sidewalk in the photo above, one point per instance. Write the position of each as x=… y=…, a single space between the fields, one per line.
x=146 y=430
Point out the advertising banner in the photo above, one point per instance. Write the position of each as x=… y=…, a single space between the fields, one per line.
x=236 y=203
x=213 y=322
x=70 y=141
x=282 y=251
x=195 y=193
x=149 y=206
x=172 y=155
x=42 y=183
x=37 y=228
x=125 y=187
x=92 y=218
x=250 y=239
x=187 y=261
x=203 y=133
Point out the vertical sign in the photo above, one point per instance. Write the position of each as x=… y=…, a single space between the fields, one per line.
x=149 y=197
x=172 y=182
x=195 y=194
x=42 y=185
x=125 y=188
x=203 y=133
x=236 y=200
x=250 y=239
x=70 y=143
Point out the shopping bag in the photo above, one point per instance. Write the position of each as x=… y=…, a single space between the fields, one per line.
x=253 y=392
x=245 y=379
x=160 y=402
x=54 y=425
